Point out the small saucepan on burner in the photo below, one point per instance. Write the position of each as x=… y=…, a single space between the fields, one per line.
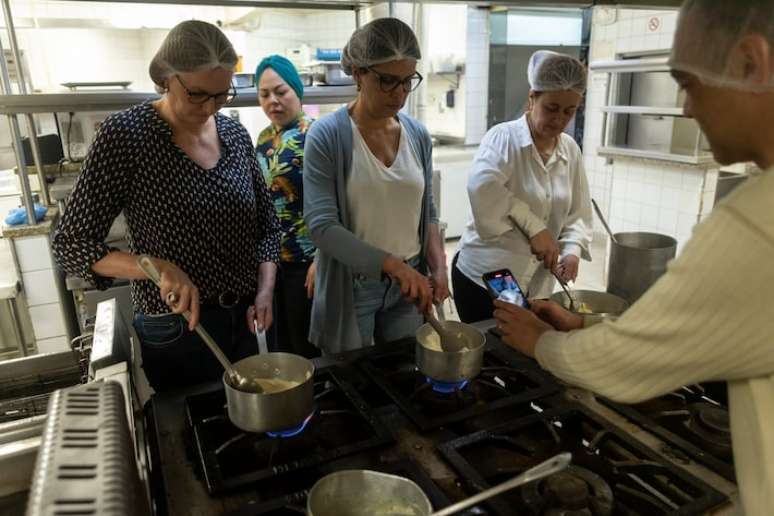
x=286 y=397
x=359 y=492
x=450 y=366
x=272 y=392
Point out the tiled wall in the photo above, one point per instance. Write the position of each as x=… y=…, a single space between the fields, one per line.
x=638 y=195
x=476 y=74
x=40 y=287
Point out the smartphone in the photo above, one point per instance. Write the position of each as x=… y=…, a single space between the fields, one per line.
x=501 y=281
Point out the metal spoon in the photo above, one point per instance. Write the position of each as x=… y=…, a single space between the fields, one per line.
x=560 y=279
x=544 y=469
x=240 y=382
x=449 y=341
x=604 y=222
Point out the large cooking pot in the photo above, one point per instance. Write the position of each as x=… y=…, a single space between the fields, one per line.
x=287 y=397
x=637 y=260
x=450 y=366
x=593 y=302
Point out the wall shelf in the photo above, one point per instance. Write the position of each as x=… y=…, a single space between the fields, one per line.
x=703 y=161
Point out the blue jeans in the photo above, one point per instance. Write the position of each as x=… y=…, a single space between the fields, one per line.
x=383 y=315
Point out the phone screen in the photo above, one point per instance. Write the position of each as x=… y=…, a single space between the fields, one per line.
x=501 y=284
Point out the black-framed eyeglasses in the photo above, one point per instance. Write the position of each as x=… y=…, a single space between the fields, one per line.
x=200 y=97
x=389 y=83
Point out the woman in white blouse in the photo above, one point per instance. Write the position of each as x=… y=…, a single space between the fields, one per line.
x=527 y=179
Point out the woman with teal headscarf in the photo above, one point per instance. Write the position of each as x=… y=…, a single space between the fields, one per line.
x=280 y=152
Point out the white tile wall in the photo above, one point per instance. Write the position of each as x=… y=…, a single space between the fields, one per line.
x=477 y=74
x=47 y=321
x=53 y=345
x=40 y=287
x=33 y=253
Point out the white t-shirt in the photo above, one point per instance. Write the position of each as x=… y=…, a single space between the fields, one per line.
x=508 y=182
x=386 y=202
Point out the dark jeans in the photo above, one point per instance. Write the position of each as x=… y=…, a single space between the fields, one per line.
x=173 y=357
x=473 y=302
x=294 y=310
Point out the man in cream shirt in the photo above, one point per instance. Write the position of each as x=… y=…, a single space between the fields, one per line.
x=710 y=317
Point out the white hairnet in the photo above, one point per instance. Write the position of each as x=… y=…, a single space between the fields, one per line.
x=380 y=41
x=550 y=71
x=189 y=47
x=707 y=34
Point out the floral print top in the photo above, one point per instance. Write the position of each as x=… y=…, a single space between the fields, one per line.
x=281 y=159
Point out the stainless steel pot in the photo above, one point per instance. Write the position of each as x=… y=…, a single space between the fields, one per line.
x=272 y=411
x=447 y=366
x=599 y=303
x=360 y=492
x=637 y=260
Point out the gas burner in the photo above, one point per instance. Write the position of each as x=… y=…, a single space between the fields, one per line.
x=575 y=491
x=445 y=387
x=292 y=432
x=710 y=423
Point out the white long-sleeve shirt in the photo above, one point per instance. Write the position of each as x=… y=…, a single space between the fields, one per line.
x=710 y=317
x=508 y=182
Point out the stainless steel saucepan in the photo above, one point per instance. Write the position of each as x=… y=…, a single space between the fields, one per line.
x=450 y=366
x=272 y=392
x=361 y=492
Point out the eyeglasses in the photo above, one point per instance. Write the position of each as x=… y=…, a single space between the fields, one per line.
x=200 y=97
x=390 y=83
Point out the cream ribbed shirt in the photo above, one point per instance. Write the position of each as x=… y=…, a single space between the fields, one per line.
x=710 y=317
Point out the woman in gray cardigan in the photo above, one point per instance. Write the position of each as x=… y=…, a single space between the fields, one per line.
x=368 y=201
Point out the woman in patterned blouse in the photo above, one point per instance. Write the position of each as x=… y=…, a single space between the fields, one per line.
x=280 y=152
x=191 y=189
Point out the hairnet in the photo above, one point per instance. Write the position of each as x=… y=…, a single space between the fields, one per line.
x=284 y=69
x=380 y=41
x=707 y=34
x=191 y=46
x=550 y=71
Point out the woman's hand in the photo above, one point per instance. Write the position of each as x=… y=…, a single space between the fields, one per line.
x=178 y=291
x=439 y=281
x=568 y=267
x=545 y=248
x=414 y=286
x=521 y=328
x=553 y=313
x=309 y=281
x=261 y=311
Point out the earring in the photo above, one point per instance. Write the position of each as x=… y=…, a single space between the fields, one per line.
x=358 y=86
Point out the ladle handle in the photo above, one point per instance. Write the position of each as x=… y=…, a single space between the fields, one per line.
x=147 y=266
x=549 y=467
x=602 y=218
x=449 y=341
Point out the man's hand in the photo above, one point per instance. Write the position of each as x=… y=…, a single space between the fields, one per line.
x=521 y=328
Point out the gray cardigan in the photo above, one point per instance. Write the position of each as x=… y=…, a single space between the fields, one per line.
x=340 y=254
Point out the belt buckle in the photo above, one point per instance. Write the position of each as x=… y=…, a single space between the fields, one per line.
x=227 y=299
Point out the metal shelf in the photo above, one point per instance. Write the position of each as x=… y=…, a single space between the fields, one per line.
x=114 y=101
x=647 y=64
x=645 y=110
x=701 y=161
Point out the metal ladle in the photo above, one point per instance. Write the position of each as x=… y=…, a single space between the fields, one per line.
x=238 y=381
x=450 y=343
x=561 y=281
x=602 y=218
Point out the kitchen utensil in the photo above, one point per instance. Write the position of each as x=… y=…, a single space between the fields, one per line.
x=260 y=338
x=604 y=222
x=446 y=366
x=450 y=340
x=149 y=268
x=360 y=492
x=562 y=283
x=637 y=260
x=271 y=411
x=598 y=303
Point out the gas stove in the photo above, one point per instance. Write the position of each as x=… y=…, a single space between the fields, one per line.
x=693 y=420
x=375 y=411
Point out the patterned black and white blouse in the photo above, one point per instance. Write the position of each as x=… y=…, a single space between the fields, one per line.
x=217 y=225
